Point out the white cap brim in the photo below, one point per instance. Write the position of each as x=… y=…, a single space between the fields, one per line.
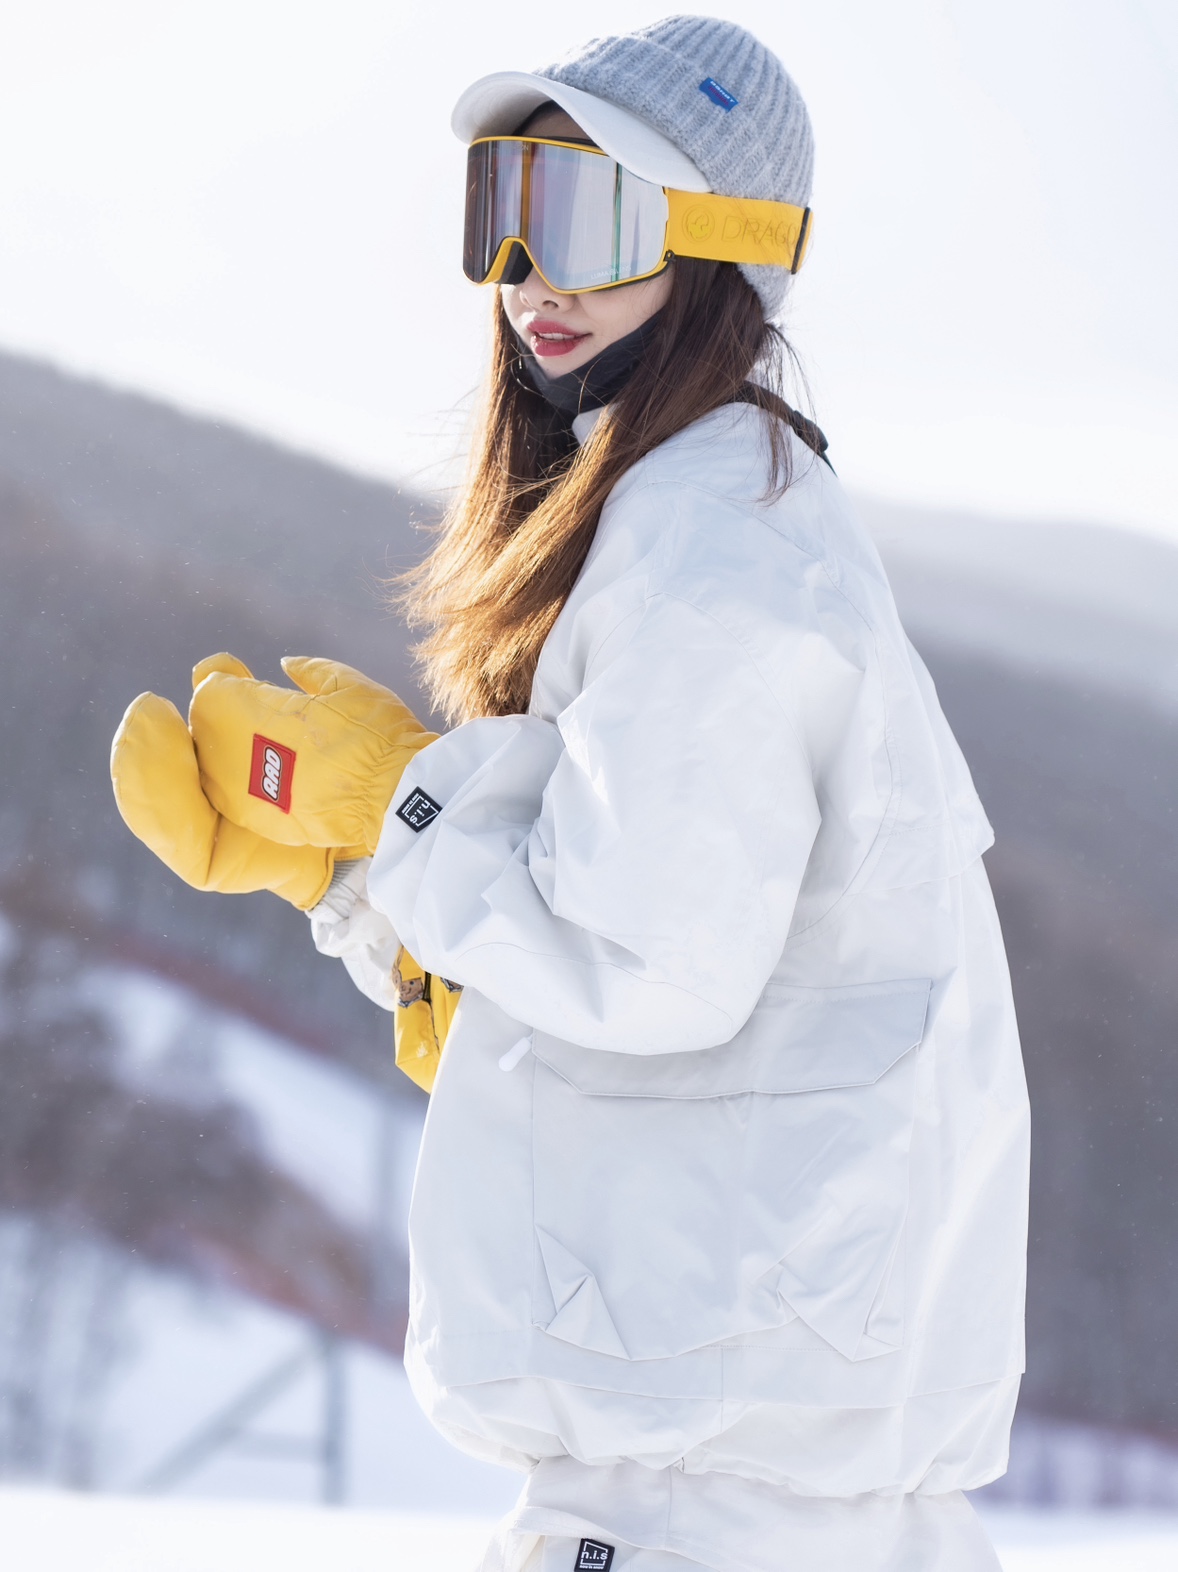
x=497 y=105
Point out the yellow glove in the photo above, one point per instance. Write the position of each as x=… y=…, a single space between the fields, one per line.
x=425 y=1009
x=157 y=788
x=313 y=767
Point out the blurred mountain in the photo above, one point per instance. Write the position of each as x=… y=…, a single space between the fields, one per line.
x=134 y=539
x=1092 y=606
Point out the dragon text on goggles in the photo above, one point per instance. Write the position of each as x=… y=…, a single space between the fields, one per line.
x=584 y=222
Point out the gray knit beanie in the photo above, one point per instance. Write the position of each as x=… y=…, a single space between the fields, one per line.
x=723 y=99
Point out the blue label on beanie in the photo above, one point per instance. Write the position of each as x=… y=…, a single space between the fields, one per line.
x=718 y=94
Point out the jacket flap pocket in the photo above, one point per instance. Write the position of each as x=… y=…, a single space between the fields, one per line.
x=796 y=1040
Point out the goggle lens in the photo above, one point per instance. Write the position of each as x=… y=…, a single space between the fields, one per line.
x=586 y=222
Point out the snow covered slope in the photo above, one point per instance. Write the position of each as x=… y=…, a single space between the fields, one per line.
x=46 y=1531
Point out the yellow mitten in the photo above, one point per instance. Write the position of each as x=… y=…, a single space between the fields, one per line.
x=157 y=788
x=425 y=1009
x=314 y=765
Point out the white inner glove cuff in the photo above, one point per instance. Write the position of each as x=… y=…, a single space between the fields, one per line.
x=348 y=883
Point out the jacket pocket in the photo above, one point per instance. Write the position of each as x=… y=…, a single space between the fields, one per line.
x=685 y=1199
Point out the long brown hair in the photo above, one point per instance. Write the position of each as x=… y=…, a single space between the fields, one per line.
x=514 y=542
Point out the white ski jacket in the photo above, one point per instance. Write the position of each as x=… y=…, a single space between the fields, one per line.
x=726 y=1163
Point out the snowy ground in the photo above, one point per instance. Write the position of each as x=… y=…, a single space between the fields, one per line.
x=46 y=1531
x=53 y=1532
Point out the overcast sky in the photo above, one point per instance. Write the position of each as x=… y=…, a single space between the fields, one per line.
x=254 y=208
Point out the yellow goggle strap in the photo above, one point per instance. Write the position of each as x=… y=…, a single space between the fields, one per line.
x=737 y=229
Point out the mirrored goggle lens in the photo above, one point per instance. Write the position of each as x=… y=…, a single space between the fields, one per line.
x=585 y=220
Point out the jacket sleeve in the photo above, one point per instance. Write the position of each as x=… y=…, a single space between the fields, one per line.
x=623 y=877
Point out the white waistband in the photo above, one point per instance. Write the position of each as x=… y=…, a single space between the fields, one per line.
x=729 y=1524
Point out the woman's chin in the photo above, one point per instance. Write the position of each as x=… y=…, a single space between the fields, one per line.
x=571 y=360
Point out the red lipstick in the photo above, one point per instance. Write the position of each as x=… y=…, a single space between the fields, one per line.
x=547 y=338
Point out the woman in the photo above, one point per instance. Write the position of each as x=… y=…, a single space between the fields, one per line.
x=719 y=1222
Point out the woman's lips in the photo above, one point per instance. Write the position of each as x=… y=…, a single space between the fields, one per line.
x=552 y=338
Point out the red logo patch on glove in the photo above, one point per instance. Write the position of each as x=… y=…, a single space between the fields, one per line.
x=271 y=771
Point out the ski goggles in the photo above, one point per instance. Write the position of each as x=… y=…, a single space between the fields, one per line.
x=584 y=222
